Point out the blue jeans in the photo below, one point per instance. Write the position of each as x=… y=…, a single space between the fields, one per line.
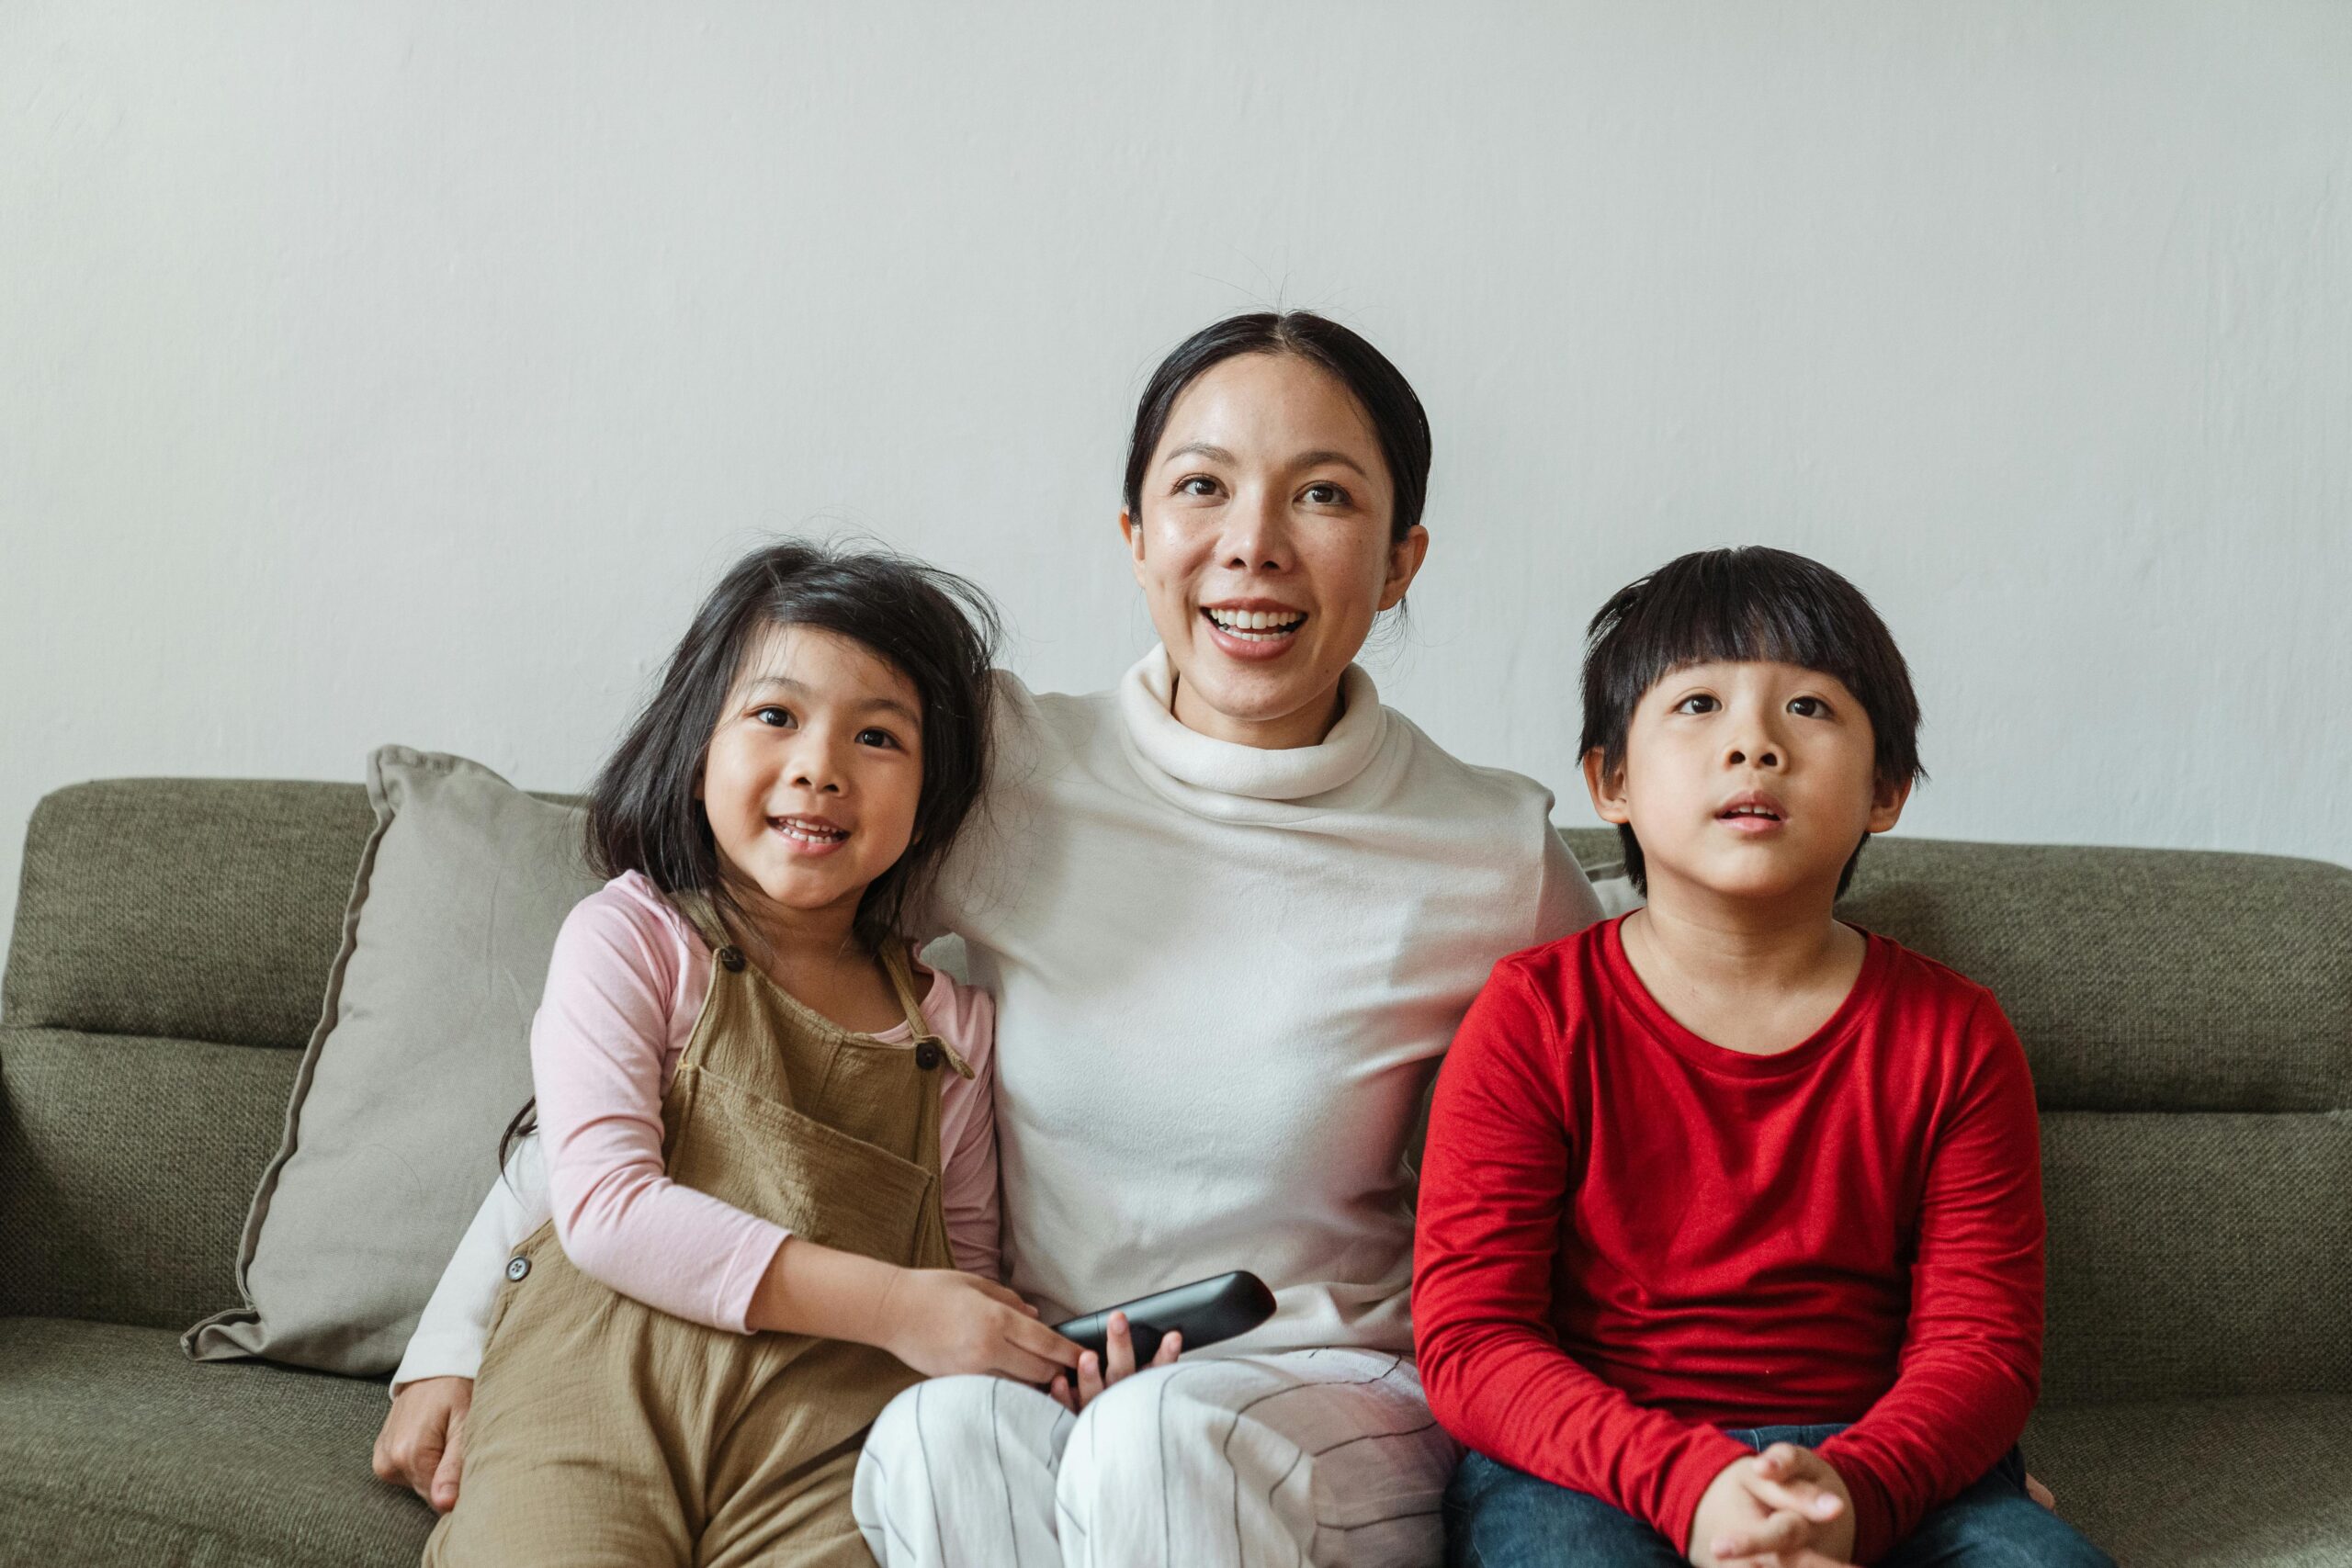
x=1499 y=1517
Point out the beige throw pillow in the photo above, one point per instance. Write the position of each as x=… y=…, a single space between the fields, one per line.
x=420 y=1057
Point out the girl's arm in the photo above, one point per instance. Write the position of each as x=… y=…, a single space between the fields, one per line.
x=600 y=1045
x=449 y=1335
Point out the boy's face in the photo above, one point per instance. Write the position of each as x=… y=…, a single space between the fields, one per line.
x=1749 y=780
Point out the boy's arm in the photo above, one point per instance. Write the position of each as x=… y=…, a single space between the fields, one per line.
x=1494 y=1186
x=1971 y=1357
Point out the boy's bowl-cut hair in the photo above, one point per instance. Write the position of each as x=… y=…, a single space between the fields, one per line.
x=1752 y=605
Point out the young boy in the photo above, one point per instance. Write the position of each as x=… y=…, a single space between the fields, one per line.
x=1730 y=1230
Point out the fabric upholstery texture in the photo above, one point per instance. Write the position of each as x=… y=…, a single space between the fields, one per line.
x=190 y=909
x=2204 y=1483
x=117 y=1450
x=420 y=1057
x=126 y=1167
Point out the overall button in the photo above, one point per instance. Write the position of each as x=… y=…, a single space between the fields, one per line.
x=732 y=957
x=517 y=1267
x=927 y=1055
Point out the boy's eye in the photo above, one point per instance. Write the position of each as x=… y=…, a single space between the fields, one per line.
x=1697 y=701
x=773 y=717
x=877 y=737
x=1325 y=493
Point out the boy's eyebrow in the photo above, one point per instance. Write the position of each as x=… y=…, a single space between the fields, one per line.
x=803 y=689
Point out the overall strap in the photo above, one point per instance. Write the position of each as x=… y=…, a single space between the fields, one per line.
x=895 y=964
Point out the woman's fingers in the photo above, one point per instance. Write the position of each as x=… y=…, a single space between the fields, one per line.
x=1060 y=1390
x=1172 y=1345
x=1119 y=1360
x=1090 y=1377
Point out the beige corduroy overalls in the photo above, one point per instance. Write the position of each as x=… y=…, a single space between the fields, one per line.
x=605 y=1431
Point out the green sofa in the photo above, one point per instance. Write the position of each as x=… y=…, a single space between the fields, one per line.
x=2188 y=1016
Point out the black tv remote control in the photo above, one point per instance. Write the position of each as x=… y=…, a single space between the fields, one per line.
x=1203 y=1312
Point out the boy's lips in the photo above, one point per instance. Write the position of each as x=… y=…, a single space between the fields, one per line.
x=1752 y=813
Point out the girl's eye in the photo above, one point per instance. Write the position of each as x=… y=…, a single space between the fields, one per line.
x=877 y=737
x=773 y=718
x=1808 y=707
x=1326 y=494
x=1697 y=701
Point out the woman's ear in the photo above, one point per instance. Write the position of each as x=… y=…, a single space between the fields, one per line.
x=1404 y=559
x=1606 y=787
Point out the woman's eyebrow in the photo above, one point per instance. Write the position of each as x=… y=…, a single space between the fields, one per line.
x=1200 y=449
x=1317 y=458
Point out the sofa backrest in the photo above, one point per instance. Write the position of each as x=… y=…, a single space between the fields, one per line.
x=2189 y=1017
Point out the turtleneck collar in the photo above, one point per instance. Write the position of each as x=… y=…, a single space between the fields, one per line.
x=1161 y=745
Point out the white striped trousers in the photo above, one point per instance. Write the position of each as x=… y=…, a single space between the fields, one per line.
x=1322 y=1457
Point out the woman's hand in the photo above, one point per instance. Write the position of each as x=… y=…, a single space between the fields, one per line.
x=422 y=1444
x=941 y=1321
x=1093 y=1376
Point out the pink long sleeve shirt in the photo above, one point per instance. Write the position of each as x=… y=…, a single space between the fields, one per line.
x=625 y=986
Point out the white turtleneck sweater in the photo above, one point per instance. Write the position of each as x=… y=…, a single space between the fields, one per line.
x=1223 y=977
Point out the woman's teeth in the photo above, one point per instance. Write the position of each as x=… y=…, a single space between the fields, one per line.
x=1258 y=625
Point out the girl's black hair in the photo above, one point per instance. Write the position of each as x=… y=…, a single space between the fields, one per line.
x=1750 y=605
x=935 y=629
x=1388 y=399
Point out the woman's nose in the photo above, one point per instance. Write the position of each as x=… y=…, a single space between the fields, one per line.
x=1258 y=533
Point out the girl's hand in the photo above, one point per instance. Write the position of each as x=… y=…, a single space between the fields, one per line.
x=1093 y=1376
x=423 y=1444
x=941 y=1321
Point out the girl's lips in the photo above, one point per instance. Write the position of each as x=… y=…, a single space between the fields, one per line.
x=794 y=842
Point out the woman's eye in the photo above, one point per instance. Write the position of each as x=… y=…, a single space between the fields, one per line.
x=1198 y=484
x=773 y=718
x=1808 y=707
x=1698 y=701
x=1326 y=496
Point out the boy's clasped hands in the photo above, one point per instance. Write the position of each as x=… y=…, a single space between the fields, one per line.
x=1785 y=1507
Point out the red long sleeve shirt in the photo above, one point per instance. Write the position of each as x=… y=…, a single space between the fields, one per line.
x=1630 y=1237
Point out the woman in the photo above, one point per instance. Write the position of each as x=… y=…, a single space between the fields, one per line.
x=1231 y=910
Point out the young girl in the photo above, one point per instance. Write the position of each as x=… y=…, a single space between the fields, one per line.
x=742 y=1100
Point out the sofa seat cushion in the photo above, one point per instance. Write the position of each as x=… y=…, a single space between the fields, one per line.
x=116 y=1448
x=2205 y=1483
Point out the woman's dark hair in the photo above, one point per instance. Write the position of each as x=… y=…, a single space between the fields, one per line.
x=932 y=627
x=1746 y=605
x=1388 y=399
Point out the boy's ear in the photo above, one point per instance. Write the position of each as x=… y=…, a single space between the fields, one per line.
x=1608 y=789
x=1887 y=799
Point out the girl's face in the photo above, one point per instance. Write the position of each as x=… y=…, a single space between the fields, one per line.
x=811 y=778
x=1263 y=546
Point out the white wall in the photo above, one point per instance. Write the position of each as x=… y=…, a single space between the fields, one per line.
x=404 y=373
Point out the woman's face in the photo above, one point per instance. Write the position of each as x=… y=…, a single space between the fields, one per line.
x=1262 y=547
